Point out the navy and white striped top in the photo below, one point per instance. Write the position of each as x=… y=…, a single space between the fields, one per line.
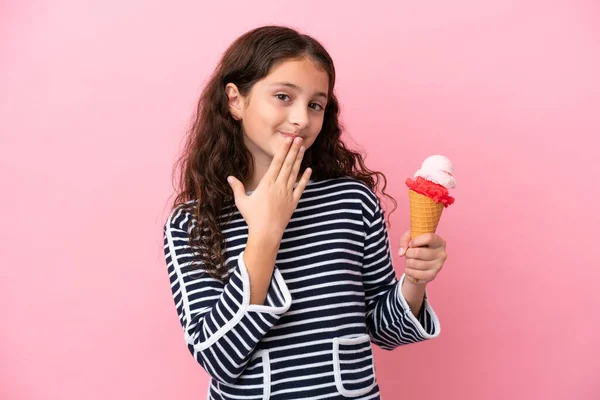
x=333 y=292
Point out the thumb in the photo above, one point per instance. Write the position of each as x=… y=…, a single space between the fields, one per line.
x=404 y=241
x=238 y=187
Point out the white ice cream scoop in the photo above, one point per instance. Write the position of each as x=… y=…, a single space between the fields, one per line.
x=437 y=169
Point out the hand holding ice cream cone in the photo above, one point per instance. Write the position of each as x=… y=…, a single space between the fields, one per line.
x=425 y=256
x=429 y=196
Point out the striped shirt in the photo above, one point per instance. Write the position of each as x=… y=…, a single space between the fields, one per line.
x=333 y=292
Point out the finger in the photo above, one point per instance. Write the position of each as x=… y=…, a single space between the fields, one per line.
x=302 y=185
x=413 y=280
x=296 y=168
x=288 y=163
x=428 y=239
x=420 y=265
x=404 y=241
x=422 y=253
x=417 y=276
x=239 y=191
x=278 y=160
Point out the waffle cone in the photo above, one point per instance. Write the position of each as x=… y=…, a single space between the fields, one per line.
x=425 y=214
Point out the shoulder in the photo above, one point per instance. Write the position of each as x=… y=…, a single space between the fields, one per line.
x=180 y=216
x=351 y=188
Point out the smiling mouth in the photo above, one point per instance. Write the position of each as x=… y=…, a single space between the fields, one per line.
x=288 y=134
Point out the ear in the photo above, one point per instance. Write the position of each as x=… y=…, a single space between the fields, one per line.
x=235 y=102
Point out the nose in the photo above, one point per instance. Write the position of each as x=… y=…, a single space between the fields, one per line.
x=299 y=116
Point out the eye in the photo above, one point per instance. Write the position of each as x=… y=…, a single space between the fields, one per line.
x=282 y=96
x=316 y=106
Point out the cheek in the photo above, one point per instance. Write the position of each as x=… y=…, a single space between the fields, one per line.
x=256 y=121
x=315 y=128
x=269 y=117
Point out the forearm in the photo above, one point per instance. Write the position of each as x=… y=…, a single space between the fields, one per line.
x=414 y=294
x=259 y=256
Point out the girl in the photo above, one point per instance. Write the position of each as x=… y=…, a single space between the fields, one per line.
x=277 y=249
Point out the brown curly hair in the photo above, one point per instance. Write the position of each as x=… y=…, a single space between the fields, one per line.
x=214 y=147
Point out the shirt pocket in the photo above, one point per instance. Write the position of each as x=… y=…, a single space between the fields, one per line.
x=353 y=365
x=254 y=383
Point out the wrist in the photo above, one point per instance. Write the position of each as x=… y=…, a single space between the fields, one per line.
x=413 y=281
x=411 y=290
x=266 y=235
x=414 y=294
x=266 y=243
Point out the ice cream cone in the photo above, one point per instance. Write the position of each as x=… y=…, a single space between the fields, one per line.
x=428 y=195
x=425 y=214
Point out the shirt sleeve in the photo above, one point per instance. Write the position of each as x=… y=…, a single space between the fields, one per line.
x=390 y=321
x=221 y=327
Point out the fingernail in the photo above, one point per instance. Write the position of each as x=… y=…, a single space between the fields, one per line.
x=229 y=179
x=401 y=251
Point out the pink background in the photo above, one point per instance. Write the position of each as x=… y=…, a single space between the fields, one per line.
x=96 y=97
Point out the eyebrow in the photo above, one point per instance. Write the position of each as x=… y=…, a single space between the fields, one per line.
x=295 y=87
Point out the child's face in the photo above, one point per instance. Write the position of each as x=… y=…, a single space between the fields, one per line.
x=291 y=99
